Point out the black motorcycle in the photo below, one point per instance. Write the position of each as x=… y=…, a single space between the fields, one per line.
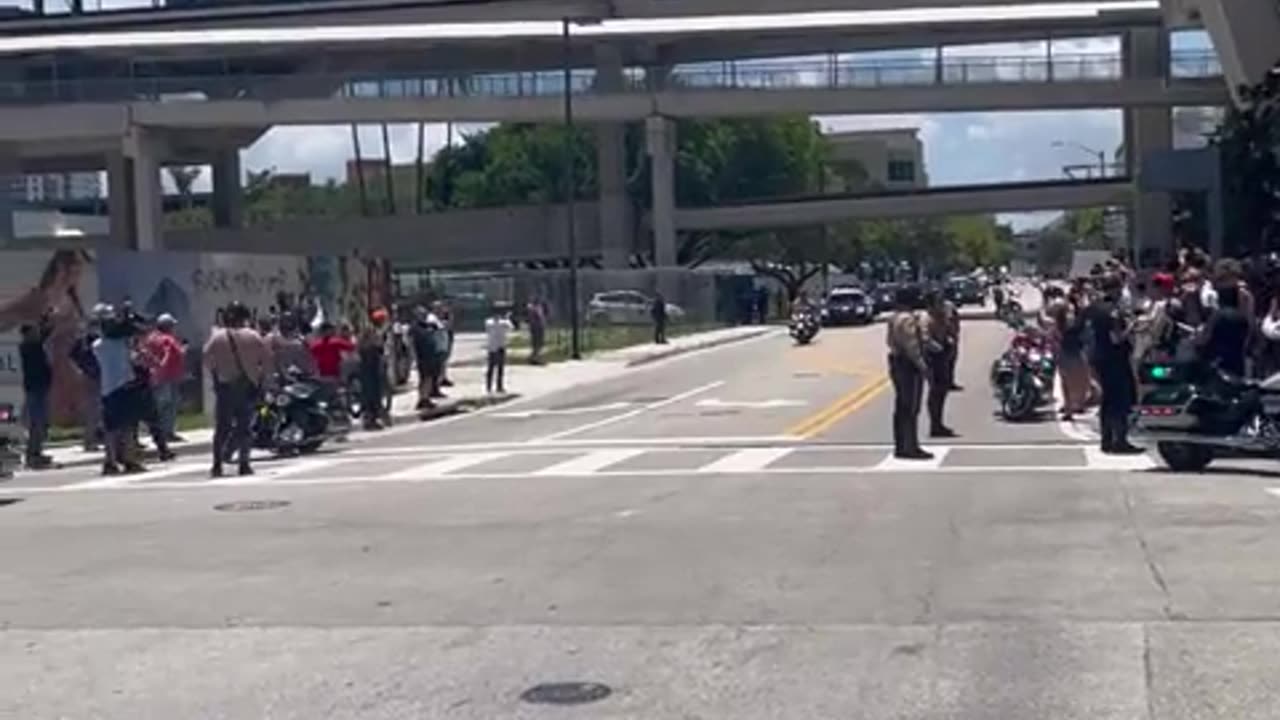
x=804 y=326
x=1194 y=414
x=293 y=416
x=1022 y=377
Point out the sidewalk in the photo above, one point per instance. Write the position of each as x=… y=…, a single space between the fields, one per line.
x=468 y=394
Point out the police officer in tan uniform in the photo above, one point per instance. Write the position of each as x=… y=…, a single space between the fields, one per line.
x=906 y=333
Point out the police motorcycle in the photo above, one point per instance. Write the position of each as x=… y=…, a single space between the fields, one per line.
x=293 y=416
x=1022 y=377
x=1194 y=413
x=804 y=325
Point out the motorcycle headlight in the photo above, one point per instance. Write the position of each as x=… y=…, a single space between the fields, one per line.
x=322 y=405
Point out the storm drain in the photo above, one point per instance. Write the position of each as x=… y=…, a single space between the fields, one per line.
x=566 y=693
x=251 y=505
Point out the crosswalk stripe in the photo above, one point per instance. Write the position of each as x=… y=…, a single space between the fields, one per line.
x=747 y=460
x=297 y=467
x=442 y=466
x=894 y=464
x=126 y=480
x=1095 y=458
x=590 y=463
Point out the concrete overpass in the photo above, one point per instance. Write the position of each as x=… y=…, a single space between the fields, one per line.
x=535 y=233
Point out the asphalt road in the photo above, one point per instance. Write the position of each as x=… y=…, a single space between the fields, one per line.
x=722 y=535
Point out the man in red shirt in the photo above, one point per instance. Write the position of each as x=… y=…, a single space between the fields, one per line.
x=166 y=360
x=328 y=351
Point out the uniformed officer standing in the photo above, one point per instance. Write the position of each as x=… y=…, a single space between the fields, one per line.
x=939 y=352
x=907 y=367
x=1112 y=350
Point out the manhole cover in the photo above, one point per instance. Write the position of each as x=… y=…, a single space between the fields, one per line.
x=567 y=693
x=719 y=413
x=251 y=505
x=806 y=375
x=648 y=399
x=6 y=502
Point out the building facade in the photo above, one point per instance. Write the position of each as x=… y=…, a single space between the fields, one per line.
x=891 y=159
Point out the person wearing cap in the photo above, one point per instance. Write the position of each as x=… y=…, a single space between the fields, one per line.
x=165 y=356
x=373 y=370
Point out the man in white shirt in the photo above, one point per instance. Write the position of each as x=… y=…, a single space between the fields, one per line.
x=497 y=328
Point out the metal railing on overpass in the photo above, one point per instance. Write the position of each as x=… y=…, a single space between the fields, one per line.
x=832 y=72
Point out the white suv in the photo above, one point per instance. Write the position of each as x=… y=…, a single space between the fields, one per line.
x=626 y=307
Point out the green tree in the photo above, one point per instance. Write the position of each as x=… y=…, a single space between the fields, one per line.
x=1248 y=140
x=1089 y=228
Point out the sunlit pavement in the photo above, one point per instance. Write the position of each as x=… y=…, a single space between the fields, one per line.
x=718 y=535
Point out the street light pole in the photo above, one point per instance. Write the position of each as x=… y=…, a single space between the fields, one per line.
x=1100 y=155
x=575 y=336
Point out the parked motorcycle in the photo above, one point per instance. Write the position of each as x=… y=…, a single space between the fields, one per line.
x=1194 y=414
x=804 y=326
x=1022 y=377
x=293 y=416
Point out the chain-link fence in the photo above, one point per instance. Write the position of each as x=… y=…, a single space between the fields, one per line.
x=615 y=307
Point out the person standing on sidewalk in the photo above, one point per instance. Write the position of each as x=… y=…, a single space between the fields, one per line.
x=37 y=380
x=425 y=335
x=659 y=313
x=496 y=329
x=536 y=313
x=237 y=358
x=373 y=369
x=166 y=360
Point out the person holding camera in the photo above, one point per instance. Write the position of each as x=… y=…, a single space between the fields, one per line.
x=237 y=358
x=116 y=384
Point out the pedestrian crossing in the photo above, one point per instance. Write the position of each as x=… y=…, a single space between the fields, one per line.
x=528 y=462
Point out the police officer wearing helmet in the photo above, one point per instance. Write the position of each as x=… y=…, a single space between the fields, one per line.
x=906 y=332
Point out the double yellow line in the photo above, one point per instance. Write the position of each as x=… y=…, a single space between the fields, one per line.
x=848 y=404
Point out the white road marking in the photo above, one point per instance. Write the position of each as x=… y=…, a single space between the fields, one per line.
x=440 y=466
x=893 y=464
x=628 y=415
x=126 y=480
x=1104 y=461
x=748 y=460
x=592 y=462
x=539 y=412
x=296 y=467
x=1075 y=429
x=750 y=404
x=1274 y=491
x=663 y=442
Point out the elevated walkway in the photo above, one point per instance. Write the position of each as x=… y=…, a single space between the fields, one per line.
x=32 y=112
x=532 y=233
x=959 y=200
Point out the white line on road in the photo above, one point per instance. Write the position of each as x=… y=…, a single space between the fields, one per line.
x=628 y=415
x=585 y=442
x=590 y=463
x=539 y=412
x=747 y=460
x=1105 y=461
x=126 y=480
x=751 y=404
x=894 y=464
x=296 y=467
x=440 y=466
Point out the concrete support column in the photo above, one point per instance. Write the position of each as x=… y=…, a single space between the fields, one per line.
x=1244 y=34
x=1147 y=130
x=228 y=200
x=10 y=175
x=144 y=150
x=611 y=167
x=660 y=135
x=120 y=199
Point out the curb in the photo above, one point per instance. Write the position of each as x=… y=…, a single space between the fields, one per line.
x=459 y=406
x=673 y=352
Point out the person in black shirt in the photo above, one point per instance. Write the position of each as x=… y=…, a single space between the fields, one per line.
x=1225 y=338
x=1112 y=349
x=37 y=379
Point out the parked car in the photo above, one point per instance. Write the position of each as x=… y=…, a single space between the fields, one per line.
x=626 y=307
x=883 y=297
x=848 y=306
x=964 y=291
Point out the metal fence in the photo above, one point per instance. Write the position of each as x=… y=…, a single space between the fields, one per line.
x=614 y=306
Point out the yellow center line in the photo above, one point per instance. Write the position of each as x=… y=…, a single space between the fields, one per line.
x=847 y=404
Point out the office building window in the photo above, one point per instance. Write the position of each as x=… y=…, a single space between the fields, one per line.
x=902 y=171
